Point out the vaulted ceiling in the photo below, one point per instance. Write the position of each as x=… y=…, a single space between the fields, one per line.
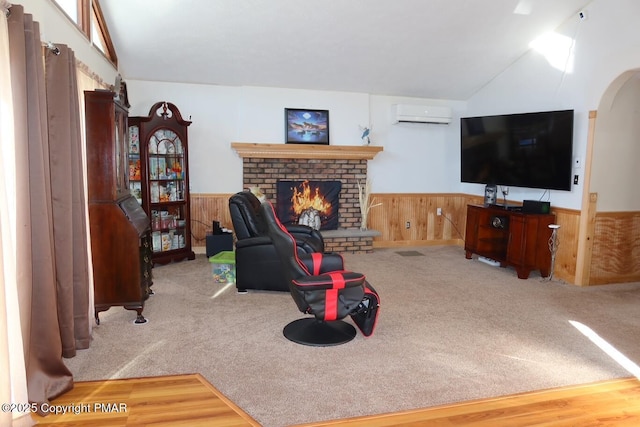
x=442 y=49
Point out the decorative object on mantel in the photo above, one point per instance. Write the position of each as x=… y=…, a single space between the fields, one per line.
x=304 y=126
x=363 y=196
x=366 y=130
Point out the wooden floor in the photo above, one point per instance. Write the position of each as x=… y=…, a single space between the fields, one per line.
x=179 y=400
x=189 y=400
x=609 y=403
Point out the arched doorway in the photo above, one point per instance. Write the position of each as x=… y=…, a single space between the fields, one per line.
x=610 y=226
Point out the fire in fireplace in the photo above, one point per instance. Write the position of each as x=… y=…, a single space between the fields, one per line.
x=313 y=203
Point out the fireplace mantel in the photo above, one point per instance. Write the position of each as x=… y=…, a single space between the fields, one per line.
x=305 y=151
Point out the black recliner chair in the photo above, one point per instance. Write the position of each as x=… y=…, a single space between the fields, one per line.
x=257 y=262
x=321 y=287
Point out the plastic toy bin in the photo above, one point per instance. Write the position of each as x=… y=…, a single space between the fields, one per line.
x=224 y=267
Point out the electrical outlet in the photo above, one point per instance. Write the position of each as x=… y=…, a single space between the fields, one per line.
x=439 y=211
x=407 y=225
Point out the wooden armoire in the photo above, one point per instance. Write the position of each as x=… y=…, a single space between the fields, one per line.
x=119 y=227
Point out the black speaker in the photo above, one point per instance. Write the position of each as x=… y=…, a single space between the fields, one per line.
x=217 y=243
x=536 y=207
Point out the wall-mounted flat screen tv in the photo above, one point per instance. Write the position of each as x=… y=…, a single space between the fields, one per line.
x=531 y=150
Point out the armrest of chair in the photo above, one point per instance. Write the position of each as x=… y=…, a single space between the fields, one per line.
x=306 y=237
x=254 y=241
x=331 y=280
x=301 y=229
x=319 y=263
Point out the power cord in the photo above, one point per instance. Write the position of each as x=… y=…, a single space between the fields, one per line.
x=454 y=226
x=196 y=238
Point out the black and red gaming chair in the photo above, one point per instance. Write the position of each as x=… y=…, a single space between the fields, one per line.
x=320 y=286
x=257 y=263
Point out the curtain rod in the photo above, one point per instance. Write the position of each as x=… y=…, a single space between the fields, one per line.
x=52 y=47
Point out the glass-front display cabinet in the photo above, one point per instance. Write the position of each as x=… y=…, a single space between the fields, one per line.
x=159 y=179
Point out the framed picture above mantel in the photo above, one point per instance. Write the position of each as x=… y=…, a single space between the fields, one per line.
x=305 y=126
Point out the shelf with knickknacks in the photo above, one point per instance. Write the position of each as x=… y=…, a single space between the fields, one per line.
x=162 y=141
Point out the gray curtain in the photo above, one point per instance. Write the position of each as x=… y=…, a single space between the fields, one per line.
x=52 y=258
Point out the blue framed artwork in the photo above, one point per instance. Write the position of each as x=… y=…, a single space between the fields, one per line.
x=306 y=126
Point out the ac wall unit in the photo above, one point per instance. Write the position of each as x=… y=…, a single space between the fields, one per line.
x=407 y=113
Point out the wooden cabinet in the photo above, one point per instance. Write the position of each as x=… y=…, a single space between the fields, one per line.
x=119 y=227
x=510 y=237
x=159 y=179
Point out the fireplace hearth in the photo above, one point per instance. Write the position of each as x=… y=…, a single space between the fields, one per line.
x=312 y=203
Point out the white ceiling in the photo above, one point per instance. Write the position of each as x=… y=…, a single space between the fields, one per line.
x=441 y=49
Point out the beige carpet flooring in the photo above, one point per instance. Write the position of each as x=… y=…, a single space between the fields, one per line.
x=450 y=329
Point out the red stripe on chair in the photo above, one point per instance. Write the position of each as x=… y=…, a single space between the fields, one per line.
x=331 y=296
x=316 y=258
x=331 y=305
x=338 y=279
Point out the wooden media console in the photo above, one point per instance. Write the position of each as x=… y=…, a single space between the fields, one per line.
x=510 y=237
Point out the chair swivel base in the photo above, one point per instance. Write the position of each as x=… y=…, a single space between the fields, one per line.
x=310 y=331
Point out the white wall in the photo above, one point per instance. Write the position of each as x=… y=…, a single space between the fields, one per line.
x=606 y=45
x=416 y=157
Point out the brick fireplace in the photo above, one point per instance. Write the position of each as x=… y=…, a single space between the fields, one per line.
x=265 y=164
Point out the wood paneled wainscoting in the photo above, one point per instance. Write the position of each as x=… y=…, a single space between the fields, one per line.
x=206 y=208
x=426 y=228
x=616 y=248
x=615 y=254
x=419 y=212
